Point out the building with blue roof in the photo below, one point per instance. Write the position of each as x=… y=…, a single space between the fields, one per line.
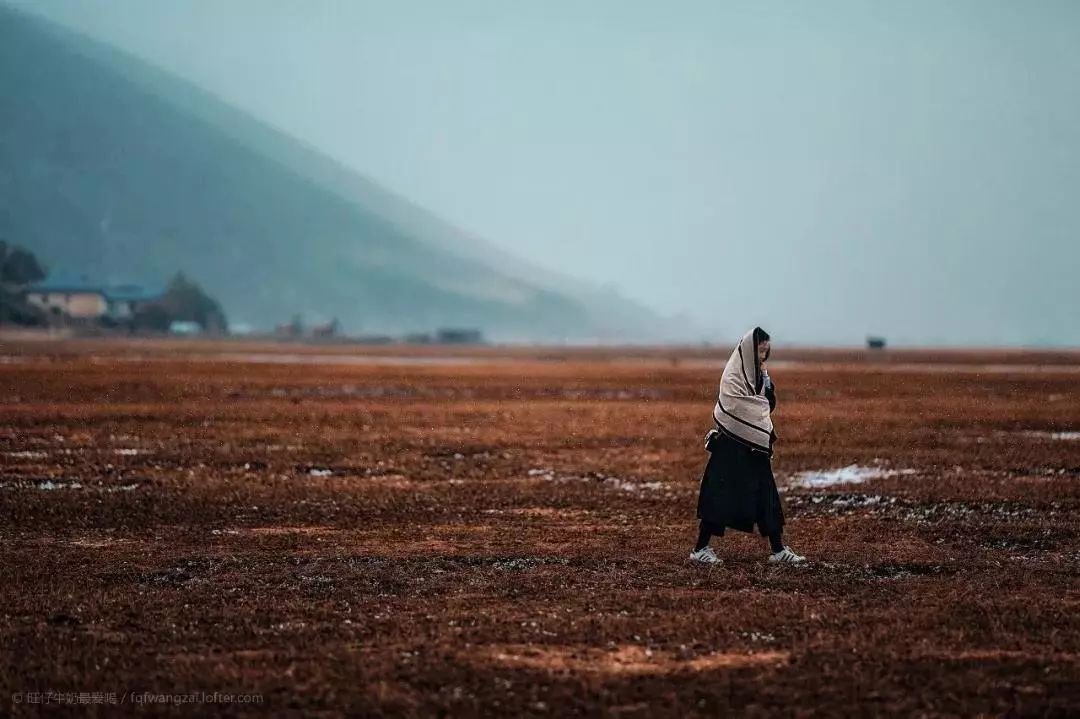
x=82 y=300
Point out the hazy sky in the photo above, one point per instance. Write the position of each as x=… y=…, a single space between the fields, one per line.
x=824 y=169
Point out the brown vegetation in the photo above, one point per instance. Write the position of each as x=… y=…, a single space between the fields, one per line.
x=508 y=535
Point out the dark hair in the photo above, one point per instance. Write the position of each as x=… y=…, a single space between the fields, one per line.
x=760 y=336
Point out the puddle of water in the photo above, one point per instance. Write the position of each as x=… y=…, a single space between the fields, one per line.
x=1070 y=435
x=546 y=512
x=628 y=485
x=47 y=485
x=98 y=543
x=625 y=660
x=624 y=485
x=291 y=530
x=853 y=500
x=851 y=474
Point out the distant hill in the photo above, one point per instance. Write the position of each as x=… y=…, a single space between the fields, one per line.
x=113 y=169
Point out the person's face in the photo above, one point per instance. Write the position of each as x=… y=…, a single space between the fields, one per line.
x=763 y=350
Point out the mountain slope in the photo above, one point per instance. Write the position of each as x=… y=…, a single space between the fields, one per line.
x=114 y=169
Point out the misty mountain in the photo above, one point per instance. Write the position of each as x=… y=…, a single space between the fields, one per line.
x=116 y=170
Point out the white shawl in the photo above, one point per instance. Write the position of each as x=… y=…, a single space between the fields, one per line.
x=740 y=409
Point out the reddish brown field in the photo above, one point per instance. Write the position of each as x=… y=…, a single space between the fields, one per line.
x=420 y=533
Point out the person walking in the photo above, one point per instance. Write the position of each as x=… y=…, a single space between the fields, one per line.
x=738 y=489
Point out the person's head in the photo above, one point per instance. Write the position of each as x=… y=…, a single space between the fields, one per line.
x=762 y=344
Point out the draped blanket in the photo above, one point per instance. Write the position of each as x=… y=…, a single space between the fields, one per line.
x=742 y=407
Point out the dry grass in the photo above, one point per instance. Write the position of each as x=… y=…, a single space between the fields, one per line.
x=509 y=536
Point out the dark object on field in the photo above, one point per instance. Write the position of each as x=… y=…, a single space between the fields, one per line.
x=459 y=337
x=375 y=340
x=875 y=343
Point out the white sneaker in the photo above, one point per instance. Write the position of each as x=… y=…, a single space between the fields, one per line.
x=705 y=555
x=786 y=556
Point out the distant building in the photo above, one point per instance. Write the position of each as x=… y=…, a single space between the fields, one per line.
x=292 y=329
x=84 y=301
x=875 y=343
x=328 y=329
x=453 y=336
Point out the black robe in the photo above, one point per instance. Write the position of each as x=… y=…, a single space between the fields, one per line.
x=738 y=489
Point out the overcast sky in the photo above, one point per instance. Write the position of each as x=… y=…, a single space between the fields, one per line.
x=824 y=169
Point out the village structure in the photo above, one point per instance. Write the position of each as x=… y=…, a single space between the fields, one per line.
x=80 y=300
x=79 y=303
